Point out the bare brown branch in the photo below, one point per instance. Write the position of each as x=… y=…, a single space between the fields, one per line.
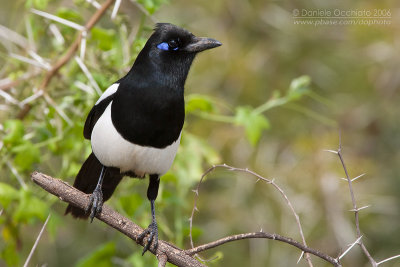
x=355 y=207
x=259 y=177
x=67 y=193
x=284 y=239
x=165 y=252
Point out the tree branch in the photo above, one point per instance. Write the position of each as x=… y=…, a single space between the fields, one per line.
x=259 y=177
x=68 y=55
x=67 y=193
x=284 y=239
x=355 y=208
x=165 y=252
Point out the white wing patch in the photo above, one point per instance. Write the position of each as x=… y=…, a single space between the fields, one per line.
x=110 y=90
x=112 y=150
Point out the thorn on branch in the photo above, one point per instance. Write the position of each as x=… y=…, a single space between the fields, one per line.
x=331 y=151
x=259 y=177
x=358 y=209
x=349 y=248
x=301 y=256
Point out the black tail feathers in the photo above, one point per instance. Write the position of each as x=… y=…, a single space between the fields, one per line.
x=86 y=181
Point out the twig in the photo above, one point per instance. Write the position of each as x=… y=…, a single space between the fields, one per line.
x=355 y=208
x=58 y=19
x=69 y=54
x=88 y=75
x=13 y=36
x=284 y=239
x=8 y=83
x=115 y=9
x=388 y=259
x=259 y=177
x=17 y=175
x=36 y=242
x=349 y=248
x=67 y=193
x=162 y=260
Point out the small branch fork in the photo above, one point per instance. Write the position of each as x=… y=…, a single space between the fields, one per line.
x=356 y=211
x=165 y=252
x=67 y=193
x=355 y=208
x=302 y=246
x=281 y=238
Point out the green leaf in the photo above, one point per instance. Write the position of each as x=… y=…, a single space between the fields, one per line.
x=188 y=165
x=39 y=4
x=7 y=194
x=100 y=257
x=10 y=255
x=105 y=38
x=137 y=260
x=298 y=87
x=151 y=5
x=138 y=44
x=131 y=203
x=15 y=132
x=69 y=14
x=30 y=208
x=253 y=122
x=199 y=102
x=26 y=155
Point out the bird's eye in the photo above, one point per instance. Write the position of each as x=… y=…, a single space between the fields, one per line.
x=171 y=45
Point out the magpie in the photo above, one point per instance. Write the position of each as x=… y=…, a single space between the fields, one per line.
x=135 y=126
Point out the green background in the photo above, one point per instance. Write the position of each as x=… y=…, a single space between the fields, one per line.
x=246 y=107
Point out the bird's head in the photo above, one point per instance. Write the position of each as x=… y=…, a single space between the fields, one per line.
x=170 y=51
x=178 y=41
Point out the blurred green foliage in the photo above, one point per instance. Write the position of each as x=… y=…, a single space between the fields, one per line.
x=266 y=62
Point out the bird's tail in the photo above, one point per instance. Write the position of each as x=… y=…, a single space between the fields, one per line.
x=86 y=181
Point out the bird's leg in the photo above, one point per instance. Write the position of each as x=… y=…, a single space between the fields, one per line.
x=152 y=230
x=96 y=198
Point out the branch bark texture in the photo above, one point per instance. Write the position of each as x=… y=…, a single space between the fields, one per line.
x=165 y=251
x=68 y=193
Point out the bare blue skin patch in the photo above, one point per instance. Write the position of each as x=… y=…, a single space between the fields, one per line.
x=164 y=46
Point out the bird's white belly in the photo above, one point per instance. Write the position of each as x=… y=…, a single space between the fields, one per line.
x=112 y=150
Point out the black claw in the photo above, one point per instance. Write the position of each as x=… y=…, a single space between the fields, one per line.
x=153 y=237
x=95 y=203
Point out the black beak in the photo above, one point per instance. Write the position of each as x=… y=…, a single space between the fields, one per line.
x=199 y=44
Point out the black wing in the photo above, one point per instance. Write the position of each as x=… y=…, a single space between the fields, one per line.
x=94 y=114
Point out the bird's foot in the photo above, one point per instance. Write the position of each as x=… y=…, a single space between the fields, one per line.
x=152 y=230
x=95 y=203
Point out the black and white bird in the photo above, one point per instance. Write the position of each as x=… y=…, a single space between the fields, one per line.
x=135 y=126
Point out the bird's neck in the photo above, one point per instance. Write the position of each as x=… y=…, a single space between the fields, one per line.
x=169 y=73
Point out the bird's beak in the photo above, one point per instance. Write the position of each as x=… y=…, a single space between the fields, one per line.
x=199 y=44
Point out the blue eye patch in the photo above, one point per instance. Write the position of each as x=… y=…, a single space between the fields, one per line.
x=164 y=46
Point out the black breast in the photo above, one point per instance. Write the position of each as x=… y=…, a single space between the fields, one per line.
x=148 y=116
